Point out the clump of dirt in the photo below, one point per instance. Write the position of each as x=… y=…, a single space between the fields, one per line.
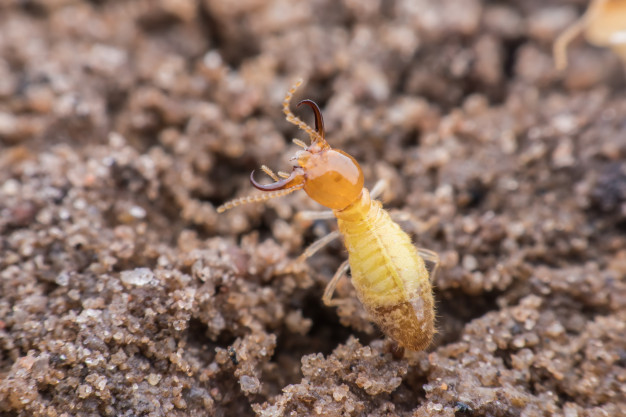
x=123 y=125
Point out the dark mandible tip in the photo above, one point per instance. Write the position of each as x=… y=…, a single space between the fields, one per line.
x=319 y=120
x=294 y=179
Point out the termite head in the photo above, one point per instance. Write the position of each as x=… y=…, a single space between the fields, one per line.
x=331 y=177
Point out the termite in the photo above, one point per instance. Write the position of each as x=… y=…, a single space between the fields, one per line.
x=603 y=24
x=389 y=274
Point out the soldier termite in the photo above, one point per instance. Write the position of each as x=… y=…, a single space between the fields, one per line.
x=603 y=24
x=388 y=272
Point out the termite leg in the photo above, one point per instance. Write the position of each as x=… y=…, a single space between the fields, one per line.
x=318 y=244
x=395 y=349
x=559 y=50
x=400 y=216
x=379 y=189
x=432 y=258
x=309 y=215
x=330 y=288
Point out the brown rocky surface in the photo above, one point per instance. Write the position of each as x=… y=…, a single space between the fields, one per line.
x=124 y=124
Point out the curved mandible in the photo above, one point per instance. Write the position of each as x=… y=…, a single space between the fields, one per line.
x=296 y=179
x=319 y=120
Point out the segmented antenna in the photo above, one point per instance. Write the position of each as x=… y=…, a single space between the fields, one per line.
x=257 y=198
x=299 y=143
x=291 y=118
x=269 y=172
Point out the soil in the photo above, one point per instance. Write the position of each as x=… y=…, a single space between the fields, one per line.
x=124 y=124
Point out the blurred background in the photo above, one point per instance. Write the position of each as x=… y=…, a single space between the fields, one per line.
x=124 y=124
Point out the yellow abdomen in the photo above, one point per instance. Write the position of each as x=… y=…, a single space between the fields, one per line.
x=389 y=276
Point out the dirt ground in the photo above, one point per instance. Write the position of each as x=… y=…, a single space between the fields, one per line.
x=124 y=124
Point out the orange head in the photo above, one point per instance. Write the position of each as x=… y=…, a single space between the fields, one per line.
x=331 y=177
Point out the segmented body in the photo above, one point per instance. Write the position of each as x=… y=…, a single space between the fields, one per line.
x=389 y=276
x=388 y=272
